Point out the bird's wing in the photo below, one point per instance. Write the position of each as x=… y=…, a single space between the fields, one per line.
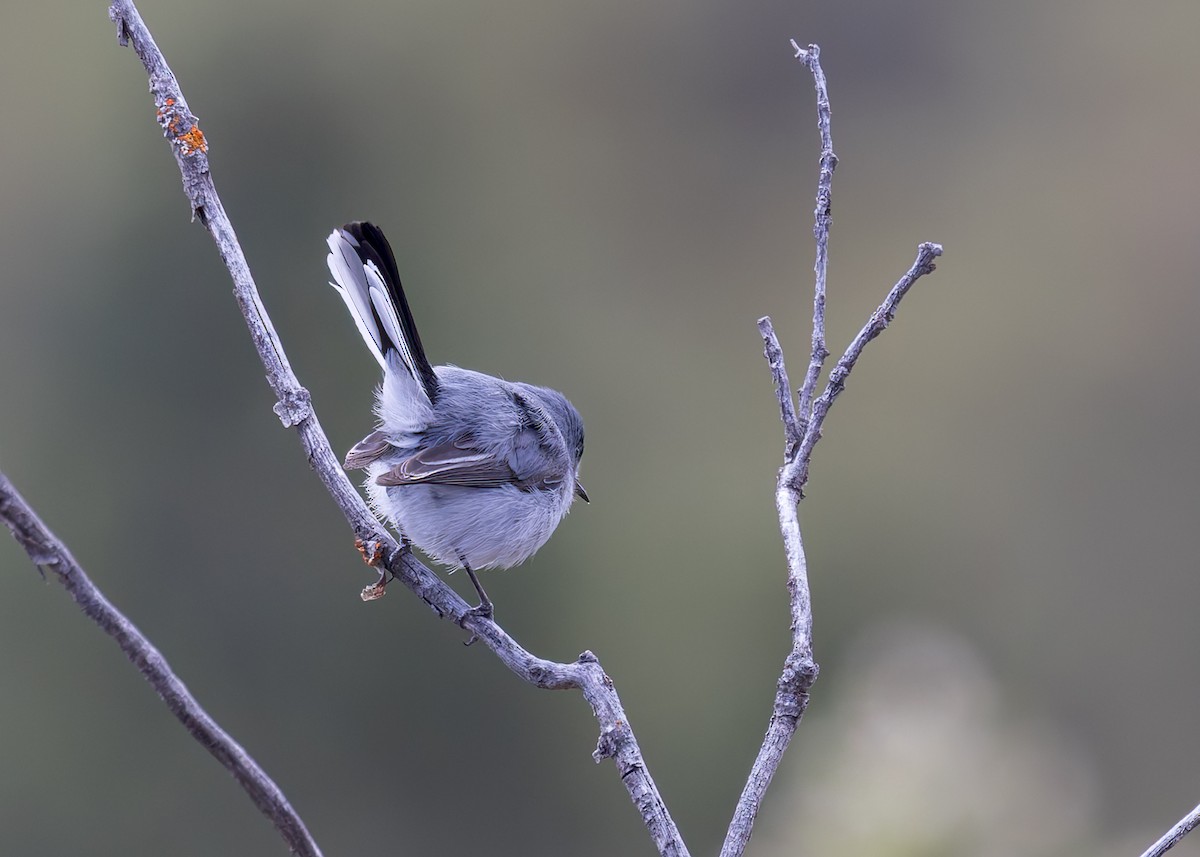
x=367 y=450
x=451 y=463
x=536 y=458
x=531 y=465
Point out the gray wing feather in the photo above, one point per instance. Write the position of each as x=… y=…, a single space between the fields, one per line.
x=451 y=464
x=367 y=450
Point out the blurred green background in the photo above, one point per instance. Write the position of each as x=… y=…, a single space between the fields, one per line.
x=603 y=198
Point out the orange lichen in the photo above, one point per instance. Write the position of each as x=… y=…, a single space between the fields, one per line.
x=192 y=141
x=372 y=552
x=172 y=120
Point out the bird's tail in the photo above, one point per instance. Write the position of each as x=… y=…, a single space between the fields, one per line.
x=364 y=273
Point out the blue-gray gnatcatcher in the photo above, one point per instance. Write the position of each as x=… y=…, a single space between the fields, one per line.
x=475 y=471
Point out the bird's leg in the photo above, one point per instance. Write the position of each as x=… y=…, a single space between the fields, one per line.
x=484 y=608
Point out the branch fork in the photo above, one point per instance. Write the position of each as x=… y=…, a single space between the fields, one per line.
x=803 y=416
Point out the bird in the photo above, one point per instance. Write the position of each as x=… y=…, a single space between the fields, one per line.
x=474 y=470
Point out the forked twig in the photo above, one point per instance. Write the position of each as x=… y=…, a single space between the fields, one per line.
x=802 y=429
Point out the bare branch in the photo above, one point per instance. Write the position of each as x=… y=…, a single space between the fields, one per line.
x=294 y=409
x=791 y=689
x=792 y=431
x=799 y=669
x=880 y=319
x=1171 y=838
x=48 y=553
x=822 y=219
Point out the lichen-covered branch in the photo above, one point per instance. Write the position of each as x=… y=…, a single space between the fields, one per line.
x=294 y=408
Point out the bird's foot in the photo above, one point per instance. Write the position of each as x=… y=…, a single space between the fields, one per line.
x=484 y=610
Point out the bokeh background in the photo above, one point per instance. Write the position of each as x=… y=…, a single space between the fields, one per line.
x=1001 y=519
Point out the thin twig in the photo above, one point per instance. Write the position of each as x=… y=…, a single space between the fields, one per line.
x=50 y=554
x=294 y=409
x=800 y=669
x=822 y=219
x=880 y=319
x=783 y=389
x=1171 y=838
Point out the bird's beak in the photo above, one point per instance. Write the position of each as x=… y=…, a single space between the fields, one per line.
x=580 y=493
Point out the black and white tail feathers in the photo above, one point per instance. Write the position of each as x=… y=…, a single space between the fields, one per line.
x=365 y=274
